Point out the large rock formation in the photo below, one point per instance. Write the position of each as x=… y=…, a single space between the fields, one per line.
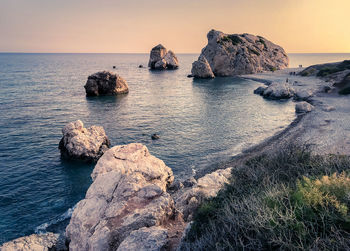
x=105 y=83
x=201 y=68
x=161 y=59
x=34 y=242
x=128 y=195
x=236 y=54
x=81 y=143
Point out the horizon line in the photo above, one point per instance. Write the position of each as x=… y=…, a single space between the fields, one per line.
x=19 y=52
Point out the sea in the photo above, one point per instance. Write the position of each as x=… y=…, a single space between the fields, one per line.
x=201 y=124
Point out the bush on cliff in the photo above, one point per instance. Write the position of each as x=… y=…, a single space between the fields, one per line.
x=289 y=200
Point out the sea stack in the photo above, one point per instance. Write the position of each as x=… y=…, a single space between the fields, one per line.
x=161 y=59
x=236 y=54
x=105 y=83
x=87 y=144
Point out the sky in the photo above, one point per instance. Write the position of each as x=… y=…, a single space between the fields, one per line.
x=135 y=26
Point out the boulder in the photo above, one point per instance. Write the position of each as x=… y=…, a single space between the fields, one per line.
x=34 y=242
x=303 y=94
x=303 y=107
x=236 y=54
x=260 y=90
x=187 y=201
x=161 y=59
x=128 y=193
x=201 y=68
x=278 y=91
x=105 y=83
x=145 y=239
x=87 y=144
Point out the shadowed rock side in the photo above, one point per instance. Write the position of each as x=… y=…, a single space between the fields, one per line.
x=161 y=59
x=87 y=144
x=40 y=242
x=230 y=55
x=105 y=83
x=126 y=203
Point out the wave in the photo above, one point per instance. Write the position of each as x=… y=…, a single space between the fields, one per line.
x=66 y=215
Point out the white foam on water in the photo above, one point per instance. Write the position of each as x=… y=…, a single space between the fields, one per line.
x=66 y=215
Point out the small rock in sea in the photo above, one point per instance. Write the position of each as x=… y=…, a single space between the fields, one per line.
x=105 y=83
x=161 y=59
x=87 y=144
x=201 y=68
x=303 y=107
x=140 y=66
x=155 y=136
x=114 y=67
x=190 y=76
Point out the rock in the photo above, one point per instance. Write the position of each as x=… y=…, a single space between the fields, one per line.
x=161 y=59
x=128 y=193
x=105 y=83
x=278 y=91
x=140 y=66
x=260 y=90
x=87 y=144
x=303 y=94
x=155 y=136
x=201 y=68
x=230 y=55
x=190 y=182
x=208 y=186
x=145 y=239
x=303 y=107
x=114 y=67
x=176 y=186
x=34 y=242
x=328 y=108
x=190 y=76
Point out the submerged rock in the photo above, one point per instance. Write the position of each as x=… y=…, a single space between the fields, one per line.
x=278 y=91
x=155 y=136
x=105 y=83
x=81 y=143
x=128 y=193
x=201 y=68
x=39 y=242
x=303 y=107
x=236 y=54
x=161 y=59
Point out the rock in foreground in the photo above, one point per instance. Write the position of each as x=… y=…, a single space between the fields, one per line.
x=105 y=83
x=81 y=143
x=161 y=59
x=34 y=242
x=236 y=54
x=128 y=193
x=201 y=68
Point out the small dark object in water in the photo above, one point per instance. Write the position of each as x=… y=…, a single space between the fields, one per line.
x=140 y=66
x=190 y=76
x=155 y=136
x=114 y=67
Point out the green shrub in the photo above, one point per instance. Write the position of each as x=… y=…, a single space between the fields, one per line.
x=253 y=51
x=234 y=39
x=345 y=91
x=286 y=200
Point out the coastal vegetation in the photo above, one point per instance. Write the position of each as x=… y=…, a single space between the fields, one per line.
x=291 y=199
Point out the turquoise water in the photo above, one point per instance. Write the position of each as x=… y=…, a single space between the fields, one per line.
x=201 y=123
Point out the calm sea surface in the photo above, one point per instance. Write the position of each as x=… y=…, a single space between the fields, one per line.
x=201 y=123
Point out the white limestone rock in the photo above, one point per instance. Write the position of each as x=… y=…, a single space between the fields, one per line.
x=237 y=54
x=128 y=193
x=34 y=242
x=161 y=59
x=201 y=68
x=278 y=91
x=81 y=143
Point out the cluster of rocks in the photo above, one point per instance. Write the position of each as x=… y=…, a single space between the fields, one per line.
x=34 y=242
x=161 y=59
x=105 y=83
x=82 y=143
x=236 y=54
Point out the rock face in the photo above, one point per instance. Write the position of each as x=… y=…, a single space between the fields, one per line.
x=128 y=193
x=201 y=68
x=81 y=143
x=303 y=107
x=161 y=59
x=236 y=54
x=276 y=91
x=34 y=242
x=145 y=239
x=105 y=83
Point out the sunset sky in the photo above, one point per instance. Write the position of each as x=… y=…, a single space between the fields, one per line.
x=181 y=25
